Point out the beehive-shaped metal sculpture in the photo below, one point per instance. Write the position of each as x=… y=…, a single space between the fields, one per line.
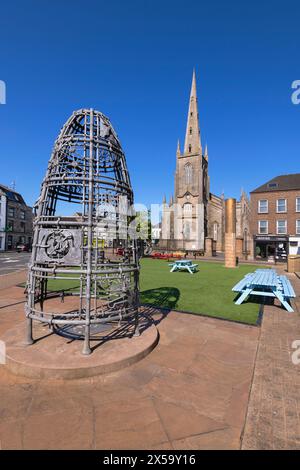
x=82 y=245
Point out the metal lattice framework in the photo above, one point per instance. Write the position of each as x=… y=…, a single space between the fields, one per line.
x=87 y=167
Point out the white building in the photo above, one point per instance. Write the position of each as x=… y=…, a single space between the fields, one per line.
x=2 y=219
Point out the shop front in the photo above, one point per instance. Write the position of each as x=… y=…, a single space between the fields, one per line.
x=294 y=246
x=271 y=248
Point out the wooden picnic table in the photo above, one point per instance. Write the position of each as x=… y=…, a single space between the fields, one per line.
x=183 y=264
x=266 y=283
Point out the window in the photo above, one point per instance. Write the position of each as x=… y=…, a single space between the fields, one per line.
x=187 y=208
x=263 y=206
x=11 y=212
x=297 y=204
x=272 y=185
x=22 y=215
x=298 y=227
x=215 y=231
x=188 y=173
x=190 y=148
x=191 y=130
x=186 y=230
x=281 y=205
x=245 y=241
x=22 y=224
x=10 y=225
x=0 y=243
x=263 y=227
x=281 y=227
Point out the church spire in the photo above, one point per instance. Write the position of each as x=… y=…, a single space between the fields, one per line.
x=178 y=148
x=206 y=152
x=192 y=142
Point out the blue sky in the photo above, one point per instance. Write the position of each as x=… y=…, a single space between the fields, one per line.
x=133 y=61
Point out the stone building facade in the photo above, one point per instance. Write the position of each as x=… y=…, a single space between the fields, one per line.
x=2 y=219
x=17 y=223
x=275 y=218
x=194 y=219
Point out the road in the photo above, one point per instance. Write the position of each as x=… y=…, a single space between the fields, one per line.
x=12 y=261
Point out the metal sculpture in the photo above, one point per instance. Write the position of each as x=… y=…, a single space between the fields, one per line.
x=88 y=168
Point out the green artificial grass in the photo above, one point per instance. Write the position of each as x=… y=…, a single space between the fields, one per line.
x=67 y=285
x=206 y=292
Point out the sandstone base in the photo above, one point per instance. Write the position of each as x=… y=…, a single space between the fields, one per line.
x=230 y=250
x=55 y=357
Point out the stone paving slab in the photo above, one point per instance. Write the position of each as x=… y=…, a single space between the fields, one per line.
x=191 y=392
x=273 y=418
x=53 y=356
x=12 y=279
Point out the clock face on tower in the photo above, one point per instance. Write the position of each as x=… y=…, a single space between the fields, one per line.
x=187 y=195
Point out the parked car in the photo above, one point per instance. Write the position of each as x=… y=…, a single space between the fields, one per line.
x=120 y=251
x=23 y=247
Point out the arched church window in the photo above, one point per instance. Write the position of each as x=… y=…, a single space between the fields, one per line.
x=245 y=241
x=215 y=229
x=191 y=130
x=190 y=148
x=187 y=230
x=187 y=208
x=188 y=173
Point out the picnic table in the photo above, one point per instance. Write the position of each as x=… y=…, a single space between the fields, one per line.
x=183 y=265
x=266 y=283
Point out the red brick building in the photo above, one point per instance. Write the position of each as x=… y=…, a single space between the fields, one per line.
x=275 y=218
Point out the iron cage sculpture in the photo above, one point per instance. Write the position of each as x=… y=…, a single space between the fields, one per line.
x=87 y=167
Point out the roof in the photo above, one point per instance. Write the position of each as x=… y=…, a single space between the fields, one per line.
x=280 y=183
x=11 y=194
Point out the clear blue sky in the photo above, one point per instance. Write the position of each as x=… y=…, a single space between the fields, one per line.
x=133 y=61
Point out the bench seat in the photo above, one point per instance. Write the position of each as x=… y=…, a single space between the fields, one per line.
x=241 y=285
x=287 y=287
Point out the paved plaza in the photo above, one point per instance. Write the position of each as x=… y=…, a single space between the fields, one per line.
x=273 y=420
x=191 y=392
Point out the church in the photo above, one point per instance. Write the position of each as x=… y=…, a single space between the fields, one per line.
x=194 y=218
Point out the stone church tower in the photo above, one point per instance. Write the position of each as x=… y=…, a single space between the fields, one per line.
x=194 y=219
x=184 y=219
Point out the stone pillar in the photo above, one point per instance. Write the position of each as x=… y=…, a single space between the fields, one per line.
x=208 y=247
x=251 y=249
x=230 y=233
x=200 y=240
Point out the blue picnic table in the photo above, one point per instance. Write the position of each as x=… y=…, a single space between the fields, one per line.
x=266 y=283
x=183 y=265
